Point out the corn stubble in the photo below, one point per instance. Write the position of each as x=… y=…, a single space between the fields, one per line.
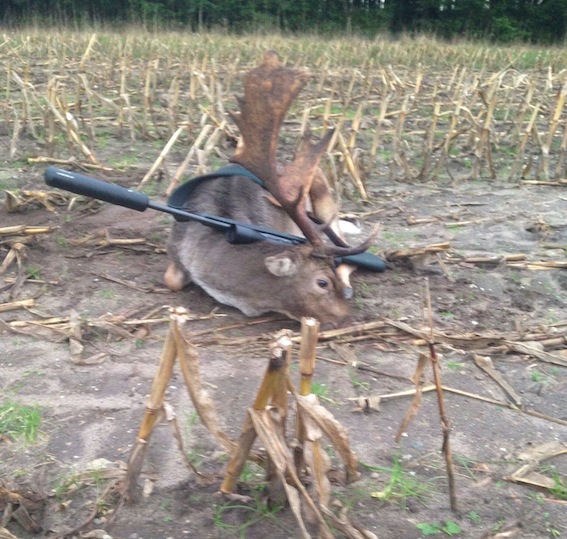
x=419 y=109
x=289 y=465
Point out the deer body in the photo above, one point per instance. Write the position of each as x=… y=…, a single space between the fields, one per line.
x=296 y=280
x=258 y=277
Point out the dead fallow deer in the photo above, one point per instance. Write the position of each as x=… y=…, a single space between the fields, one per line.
x=296 y=280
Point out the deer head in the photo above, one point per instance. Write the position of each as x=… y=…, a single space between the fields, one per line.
x=269 y=91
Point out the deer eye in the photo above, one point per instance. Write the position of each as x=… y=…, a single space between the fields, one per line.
x=322 y=283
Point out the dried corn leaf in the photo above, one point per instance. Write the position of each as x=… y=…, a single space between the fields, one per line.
x=535 y=455
x=18 y=200
x=318 y=461
x=76 y=346
x=485 y=363
x=367 y=404
x=529 y=349
x=5 y=534
x=342 y=523
x=415 y=405
x=189 y=365
x=528 y=476
x=38 y=331
x=25 y=520
x=95 y=359
x=543 y=451
x=269 y=433
x=295 y=506
x=309 y=406
x=267 y=424
x=16 y=253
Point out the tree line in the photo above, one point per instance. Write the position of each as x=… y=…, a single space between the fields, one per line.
x=543 y=21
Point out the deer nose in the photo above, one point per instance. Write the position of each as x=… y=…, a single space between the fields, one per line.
x=335 y=324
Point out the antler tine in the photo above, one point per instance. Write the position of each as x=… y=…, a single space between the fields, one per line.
x=295 y=184
x=337 y=250
x=269 y=91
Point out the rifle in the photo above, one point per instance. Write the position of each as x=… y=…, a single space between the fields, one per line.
x=235 y=231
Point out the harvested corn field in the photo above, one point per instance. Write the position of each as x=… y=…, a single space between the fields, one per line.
x=458 y=150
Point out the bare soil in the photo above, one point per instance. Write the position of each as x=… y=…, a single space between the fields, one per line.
x=94 y=411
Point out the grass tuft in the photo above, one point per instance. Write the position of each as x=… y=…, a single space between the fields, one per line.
x=19 y=422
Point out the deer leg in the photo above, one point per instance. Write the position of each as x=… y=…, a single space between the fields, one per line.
x=176 y=278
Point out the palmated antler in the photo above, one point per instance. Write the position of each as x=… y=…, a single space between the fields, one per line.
x=269 y=91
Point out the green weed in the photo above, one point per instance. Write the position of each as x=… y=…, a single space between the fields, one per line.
x=19 y=422
x=455 y=365
x=253 y=515
x=322 y=391
x=401 y=485
x=356 y=382
x=449 y=528
x=473 y=516
x=33 y=272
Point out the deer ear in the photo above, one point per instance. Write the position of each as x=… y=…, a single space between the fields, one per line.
x=281 y=265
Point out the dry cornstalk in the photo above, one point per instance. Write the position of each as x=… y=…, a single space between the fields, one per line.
x=379 y=123
x=538 y=265
x=307 y=350
x=276 y=491
x=267 y=423
x=13 y=305
x=354 y=173
x=355 y=126
x=450 y=136
x=428 y=143
x=520 y=151
x=445 y=422
x=554 y=123
x=418 y=251
x=399 y=154
x=501 y=259
x=73 y=162
x=482 y=146
x=16 y=201
x=190 y=156
x=150 y=78
x=274 y=379
x=176 y=346
x=151 y=416
x=16 y=253
x=161 y=156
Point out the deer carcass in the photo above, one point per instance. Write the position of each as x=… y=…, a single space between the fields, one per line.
x=296 y=280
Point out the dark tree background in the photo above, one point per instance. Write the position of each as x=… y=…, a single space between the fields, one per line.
x=542 y=21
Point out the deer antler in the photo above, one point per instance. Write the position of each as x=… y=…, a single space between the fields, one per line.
x=269 y=91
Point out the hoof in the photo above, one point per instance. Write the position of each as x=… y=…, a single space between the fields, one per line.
x=174 y=278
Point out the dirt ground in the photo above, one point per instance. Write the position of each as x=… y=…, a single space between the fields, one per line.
x=495 y=309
